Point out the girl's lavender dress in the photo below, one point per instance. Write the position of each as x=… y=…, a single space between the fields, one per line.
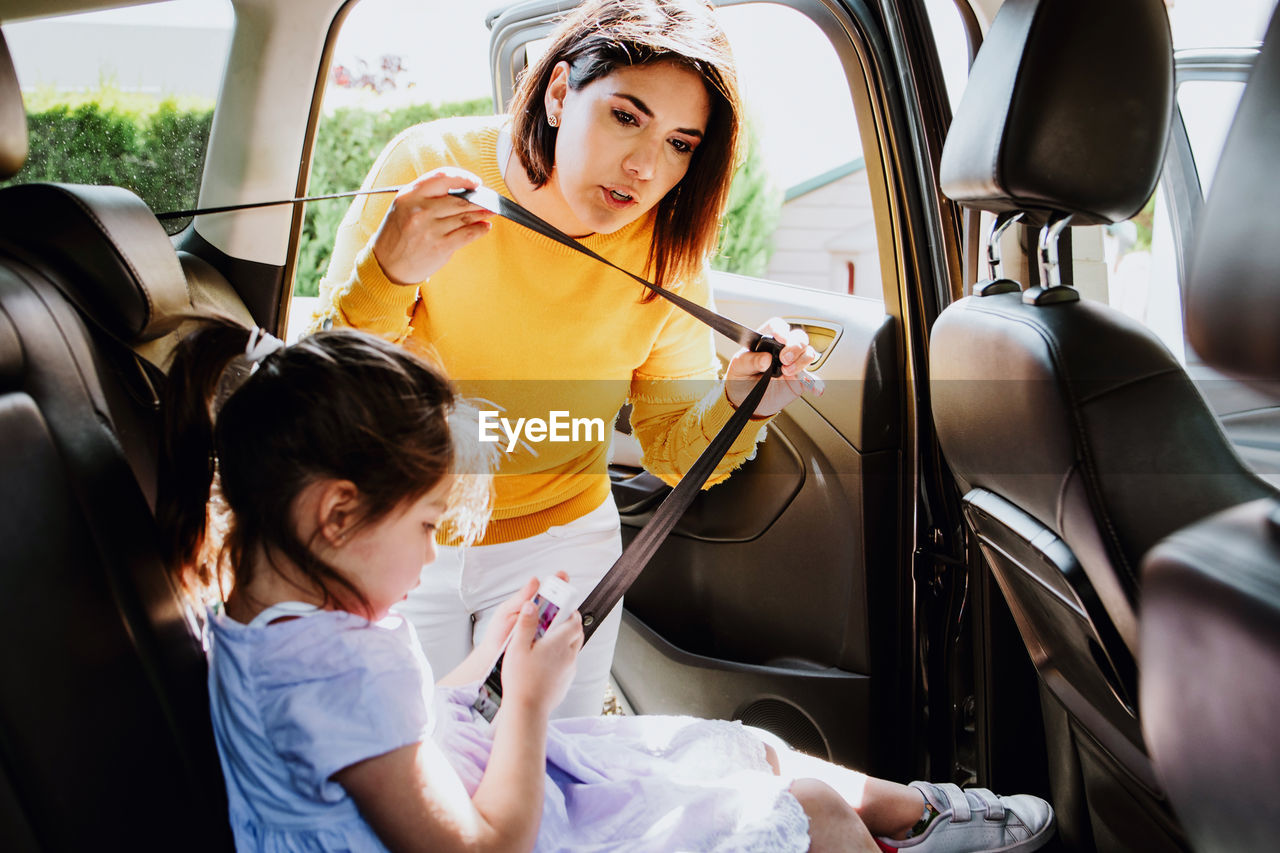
x=296 y=701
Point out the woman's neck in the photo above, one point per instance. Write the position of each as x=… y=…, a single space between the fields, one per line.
x=546 y=202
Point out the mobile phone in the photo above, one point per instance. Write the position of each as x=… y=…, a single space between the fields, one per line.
x=555 y=598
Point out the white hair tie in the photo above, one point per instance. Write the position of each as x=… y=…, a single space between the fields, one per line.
x=261 y=344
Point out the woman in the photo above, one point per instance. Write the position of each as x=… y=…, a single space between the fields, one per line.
x=625 y=135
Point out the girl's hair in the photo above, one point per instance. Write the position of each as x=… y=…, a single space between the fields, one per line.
x=604 y=35
x=336 y=405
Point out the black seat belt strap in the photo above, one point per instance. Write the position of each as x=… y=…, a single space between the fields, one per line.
x=602 y=599
x=505 y=207
x=600 y=602
x=597 y=605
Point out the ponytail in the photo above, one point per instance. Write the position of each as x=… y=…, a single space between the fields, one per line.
x=245 y=435
x=187 y=459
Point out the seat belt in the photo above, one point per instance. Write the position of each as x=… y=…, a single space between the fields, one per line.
x=597 y=605
x=600 y=602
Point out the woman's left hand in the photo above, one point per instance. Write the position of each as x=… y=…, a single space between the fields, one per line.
x=745 y=368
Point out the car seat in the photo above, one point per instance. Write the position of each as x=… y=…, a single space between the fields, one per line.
x=1210 y=628
x=105 y=741
x=1076 y=438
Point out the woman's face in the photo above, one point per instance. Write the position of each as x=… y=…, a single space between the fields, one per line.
x=624 y=141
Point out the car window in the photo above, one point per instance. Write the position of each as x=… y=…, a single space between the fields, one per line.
x=1138 y=266
x=801 y=213
x=395 y=63
x=1206 y=107
x=123 y=97
x=952 y=45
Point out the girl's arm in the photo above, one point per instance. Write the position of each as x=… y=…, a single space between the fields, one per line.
x=415 y=801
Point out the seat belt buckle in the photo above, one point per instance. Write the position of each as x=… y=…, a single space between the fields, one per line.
x=773 y=346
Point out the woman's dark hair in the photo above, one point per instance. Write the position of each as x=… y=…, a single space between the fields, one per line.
x=604 y=35
x=339 y=405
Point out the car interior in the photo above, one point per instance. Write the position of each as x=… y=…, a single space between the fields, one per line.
x=1103 y=446
x=1021 y=542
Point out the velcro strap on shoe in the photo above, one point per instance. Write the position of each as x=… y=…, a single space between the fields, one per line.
x=995 y=808
x=960 y=811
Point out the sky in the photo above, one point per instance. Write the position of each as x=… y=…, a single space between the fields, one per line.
x=791 y=76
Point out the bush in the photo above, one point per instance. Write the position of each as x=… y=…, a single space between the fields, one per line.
x=755 y=204
x=347 y=142
x=154 y=148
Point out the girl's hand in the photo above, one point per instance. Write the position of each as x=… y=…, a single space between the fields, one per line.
x=745 y=368
x=425 y=225
x=538 y=674
x=504 y=619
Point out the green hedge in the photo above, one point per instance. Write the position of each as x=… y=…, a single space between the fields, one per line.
x=157 y=152
x=347 y=141
x=156 y=149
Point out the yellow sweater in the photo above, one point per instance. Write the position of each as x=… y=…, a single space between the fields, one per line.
x=528 y=328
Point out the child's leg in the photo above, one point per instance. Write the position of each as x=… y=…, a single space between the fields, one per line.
x=954 y=820
x=833 y=824
x=886 y=808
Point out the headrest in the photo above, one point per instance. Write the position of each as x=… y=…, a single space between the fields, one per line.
x=107 y=248
x=13 y=118
x=1067 y=109
x=1233 y=302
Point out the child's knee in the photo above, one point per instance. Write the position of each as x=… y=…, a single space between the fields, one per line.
x=771 y=756
x=833 y=824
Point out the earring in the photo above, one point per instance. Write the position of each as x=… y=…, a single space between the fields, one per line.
x=553 y=121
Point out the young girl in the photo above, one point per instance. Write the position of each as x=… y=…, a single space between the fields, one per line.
x=624 y=134
x=336 y=461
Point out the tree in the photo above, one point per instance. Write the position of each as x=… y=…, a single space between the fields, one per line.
x=755 y=204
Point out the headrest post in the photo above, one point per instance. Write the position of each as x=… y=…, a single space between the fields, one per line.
x=1050 y=271
x=1052 y=290
x=1003 y=220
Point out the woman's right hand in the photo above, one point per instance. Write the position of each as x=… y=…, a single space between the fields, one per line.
x=425 y=225
x=539 y=673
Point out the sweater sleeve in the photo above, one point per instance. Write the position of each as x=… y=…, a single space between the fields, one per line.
x=678 y=403
x=355 y=291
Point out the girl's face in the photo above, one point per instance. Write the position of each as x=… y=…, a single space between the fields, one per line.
x=624 y=141
x=385 y=559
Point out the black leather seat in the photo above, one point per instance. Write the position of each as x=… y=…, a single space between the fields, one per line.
x=1076 y=438
x=105 y=740
x=1210 y=683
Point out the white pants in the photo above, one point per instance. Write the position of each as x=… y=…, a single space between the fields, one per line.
x=455 y=602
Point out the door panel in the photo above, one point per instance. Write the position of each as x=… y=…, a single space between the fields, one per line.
x=716 y=626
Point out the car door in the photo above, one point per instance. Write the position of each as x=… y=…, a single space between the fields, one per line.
x=783 y=597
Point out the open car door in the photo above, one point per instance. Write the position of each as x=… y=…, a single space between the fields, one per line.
x=783 y=596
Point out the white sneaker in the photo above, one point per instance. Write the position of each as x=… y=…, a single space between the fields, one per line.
x=974 y=819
